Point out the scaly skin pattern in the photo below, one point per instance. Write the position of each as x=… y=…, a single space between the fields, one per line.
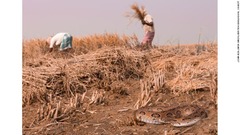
x=178 y=116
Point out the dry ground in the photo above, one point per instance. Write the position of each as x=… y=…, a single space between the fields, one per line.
x=95 y=87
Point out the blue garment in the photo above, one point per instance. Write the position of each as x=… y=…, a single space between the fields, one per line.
x=66 y=42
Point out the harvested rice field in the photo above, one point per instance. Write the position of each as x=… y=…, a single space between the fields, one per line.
x=96 y=87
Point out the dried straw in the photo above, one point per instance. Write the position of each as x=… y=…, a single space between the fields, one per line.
x=139 y=13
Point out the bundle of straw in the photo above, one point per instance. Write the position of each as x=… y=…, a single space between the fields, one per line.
x=139 y=13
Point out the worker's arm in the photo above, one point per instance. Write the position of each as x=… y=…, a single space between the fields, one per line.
x=52 y=42
x=149 y=24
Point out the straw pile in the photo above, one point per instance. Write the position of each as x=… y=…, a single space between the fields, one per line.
x=179 y=70
x=188 y=68
x=75 y=75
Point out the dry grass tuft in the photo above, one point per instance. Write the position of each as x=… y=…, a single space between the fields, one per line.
x=60 y=111
x=158 y=81
x=149 y=85
x=97 y=97
x=145 y=95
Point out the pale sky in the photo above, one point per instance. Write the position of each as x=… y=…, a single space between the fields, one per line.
x=176 y=21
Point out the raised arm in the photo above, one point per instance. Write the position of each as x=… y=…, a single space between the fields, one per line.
x=149 y=24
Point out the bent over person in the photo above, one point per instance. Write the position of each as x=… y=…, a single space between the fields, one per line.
x=149 y=31
x=64 y=40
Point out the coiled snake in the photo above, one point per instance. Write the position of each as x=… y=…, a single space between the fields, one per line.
x=178 y=116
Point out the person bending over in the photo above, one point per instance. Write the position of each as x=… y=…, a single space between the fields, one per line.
x=63 y=40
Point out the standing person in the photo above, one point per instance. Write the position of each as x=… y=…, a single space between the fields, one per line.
x=64 y=40
x=141 y=14
x=149 y=31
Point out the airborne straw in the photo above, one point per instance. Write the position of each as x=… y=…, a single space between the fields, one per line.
x=139 y=13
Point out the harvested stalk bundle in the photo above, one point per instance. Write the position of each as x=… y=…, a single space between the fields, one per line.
x=139 y=13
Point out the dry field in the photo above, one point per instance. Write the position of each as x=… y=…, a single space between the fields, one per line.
x=95 y=87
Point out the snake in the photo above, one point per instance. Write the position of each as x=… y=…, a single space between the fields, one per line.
x=178 y=116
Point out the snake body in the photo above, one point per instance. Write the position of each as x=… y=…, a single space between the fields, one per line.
x=178 y=116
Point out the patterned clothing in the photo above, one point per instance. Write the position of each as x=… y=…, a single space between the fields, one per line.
x=66 y=42
x=148 y=38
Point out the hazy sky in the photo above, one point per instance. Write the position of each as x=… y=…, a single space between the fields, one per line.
x=176 y=21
